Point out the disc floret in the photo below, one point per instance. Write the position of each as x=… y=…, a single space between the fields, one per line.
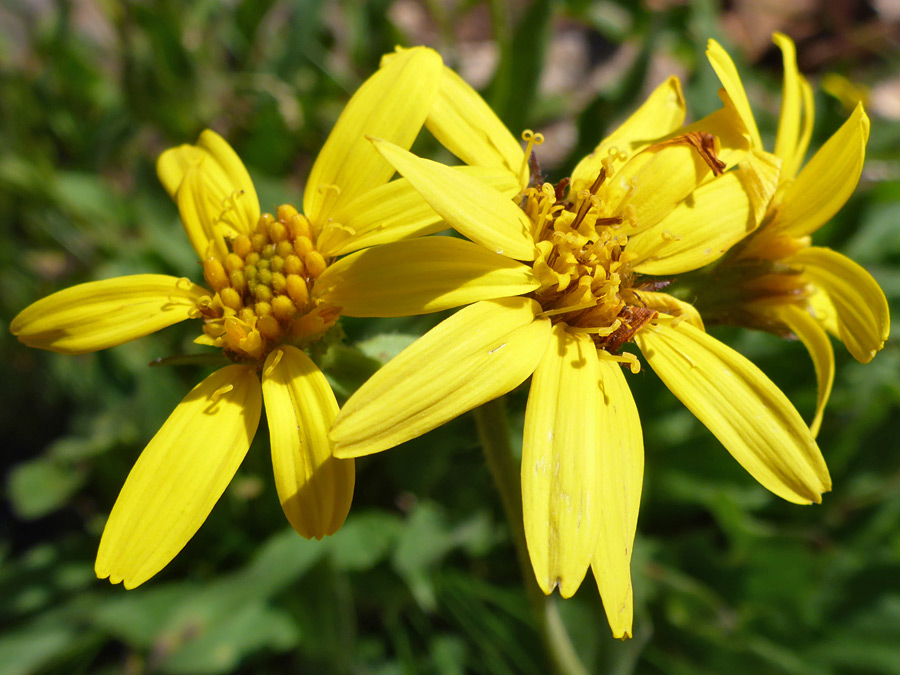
x=263 y=289
x=587 y=280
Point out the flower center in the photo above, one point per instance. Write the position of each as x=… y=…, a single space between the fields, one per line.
x=582 y=263
x=263 y=289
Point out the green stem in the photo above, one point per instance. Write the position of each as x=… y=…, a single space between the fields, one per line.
x=493 y=432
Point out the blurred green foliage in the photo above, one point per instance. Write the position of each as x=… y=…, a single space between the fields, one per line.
x=422 y=578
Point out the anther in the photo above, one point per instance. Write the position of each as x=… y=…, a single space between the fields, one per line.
x=299 y=226
x=241 y=245
x=278 y=231
x=231 y=298
x=263 y=293
x=293 y=265
x=214 y=274
x=268 y=325
x=315 y=263
x=286 y=212
x=283 y=308
x=297 y=290
x=302 y=246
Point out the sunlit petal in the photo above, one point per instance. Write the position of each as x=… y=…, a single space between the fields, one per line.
x=396 y=211
x=621 y=463
x=661 y=114
x=697 y=231
x=392 y=104
x=474 y=209
x=654 y=182
x=180 y=476
x=101 y=314
x=420 y=276
x=314 y=487
x=481 y=352
x=788 y=139
x=862 y=311
x=464 y=124
x=827 y=181
x=749 y=415
x=818 y=344
x=560 y=463
x=731 y=80
x=213 y=190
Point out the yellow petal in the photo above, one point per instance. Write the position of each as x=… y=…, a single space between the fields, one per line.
x=397 y=211
x=464 y=124
x=828 y=180
x=180 y=476
x=560 y=469
x=483 y=351
x=697 y=231
x=420 y=276
x=621 y=462
x=392 y=104
x=174 y=163
x=761 y=175
x=469 y=206
x=863 y=319
x=219 y=198
x=314 y=487
x=668 y=304
x=727 y=125
x=661 y=114
x=749 y=415
x=808 y=118
x=817 y=343
x=731 y=80
x=822 y=310
x=101 y=314
x=788 y=142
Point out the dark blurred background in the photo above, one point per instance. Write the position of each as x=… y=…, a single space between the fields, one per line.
x=422 y=579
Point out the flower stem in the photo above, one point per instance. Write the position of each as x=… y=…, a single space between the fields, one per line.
x=493 y=432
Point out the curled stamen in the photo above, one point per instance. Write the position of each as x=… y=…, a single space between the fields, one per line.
x=532 y=139
x=571 y=308
x=221 y=391
x=634 y=365
x=597 y=330
x=275 y=361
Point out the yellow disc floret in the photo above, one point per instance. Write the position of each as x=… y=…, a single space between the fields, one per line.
x=582 y=263
x=263 y=289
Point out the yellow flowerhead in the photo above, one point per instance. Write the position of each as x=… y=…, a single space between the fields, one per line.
x=261 y=306
x=652 y=199
x=775 y=279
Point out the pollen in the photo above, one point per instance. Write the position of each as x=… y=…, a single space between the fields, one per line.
x=263 y=289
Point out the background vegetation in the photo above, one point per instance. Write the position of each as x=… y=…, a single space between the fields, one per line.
x=423 y=576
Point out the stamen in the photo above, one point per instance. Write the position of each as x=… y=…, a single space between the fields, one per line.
x=597 y=330
x=625 y=357
x=571 y=308
x=275 y=361
x=221 y=391
x=532 y=139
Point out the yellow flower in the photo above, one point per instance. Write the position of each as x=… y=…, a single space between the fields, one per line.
x=651 y=199
x=264 y=302
x=775 y=279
